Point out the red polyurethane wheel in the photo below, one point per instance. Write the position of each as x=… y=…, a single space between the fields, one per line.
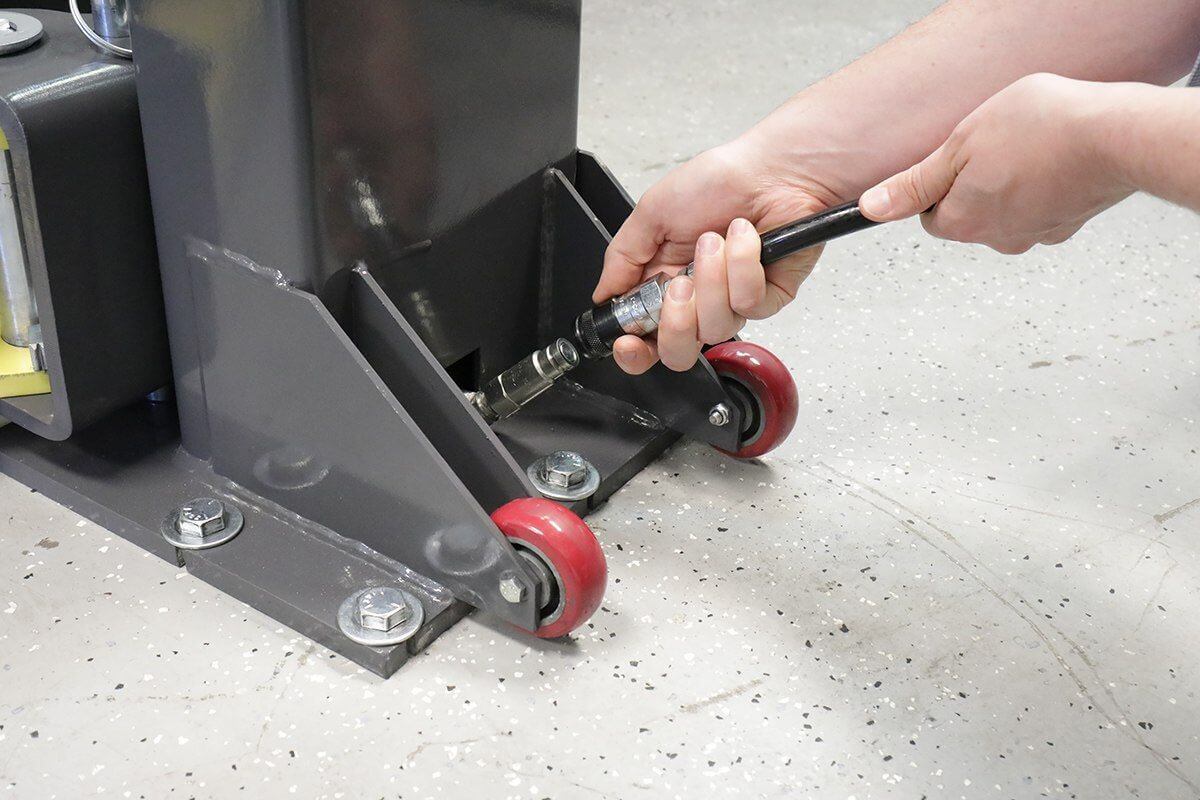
x=764 y=388
x=566 y=545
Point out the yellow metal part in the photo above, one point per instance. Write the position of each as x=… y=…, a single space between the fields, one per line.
x=18 y=378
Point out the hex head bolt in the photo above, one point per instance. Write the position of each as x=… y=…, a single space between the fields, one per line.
x=383 y=609
x=204 y=516
x=511 y=590
x=380 y=616
x=564 y=475
x=201 y=523
x=565 y=469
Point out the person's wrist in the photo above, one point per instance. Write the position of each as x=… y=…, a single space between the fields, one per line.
x=786 y=153
x=1107 y=124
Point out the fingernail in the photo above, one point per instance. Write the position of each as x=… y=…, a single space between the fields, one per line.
x=681 y=289
x=740 y=227
x=621 y=356
x=876 y=202
x=709 y=243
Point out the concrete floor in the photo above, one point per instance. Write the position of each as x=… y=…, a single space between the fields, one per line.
x=974 y=571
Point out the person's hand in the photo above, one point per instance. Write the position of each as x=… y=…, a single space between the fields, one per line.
x=1022 y=169
x=708 y=210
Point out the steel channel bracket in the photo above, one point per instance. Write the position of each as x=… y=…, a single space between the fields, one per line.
x=285 y=383
x=573 y=243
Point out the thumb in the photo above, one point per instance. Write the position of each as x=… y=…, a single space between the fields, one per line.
x=912 y=192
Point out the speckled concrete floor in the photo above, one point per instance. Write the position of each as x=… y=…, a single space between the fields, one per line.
x=974 y=571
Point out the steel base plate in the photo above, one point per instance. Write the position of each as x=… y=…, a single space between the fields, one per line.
x=127 y=471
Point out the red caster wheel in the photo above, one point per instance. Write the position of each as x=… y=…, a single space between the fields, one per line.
x=764 y=390
x=564 y=553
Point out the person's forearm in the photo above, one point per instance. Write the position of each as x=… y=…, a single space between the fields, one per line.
x=895 y=105
x=1149 y=137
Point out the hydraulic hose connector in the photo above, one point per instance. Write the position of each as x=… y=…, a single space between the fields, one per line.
x=517 y=386
x=635 y=312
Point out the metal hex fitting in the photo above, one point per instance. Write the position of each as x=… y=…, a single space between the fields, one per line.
x=201 y=523
x=511 y=589
x=517 y=386
x=719 y=415
x=383 y=609
x=204 y=516
x=564 y=475
x=380 y=616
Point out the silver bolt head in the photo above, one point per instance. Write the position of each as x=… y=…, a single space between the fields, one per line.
x=383 y=609
x=511 y=590
x=719 y=415
x=204 y=516
x=565 y=469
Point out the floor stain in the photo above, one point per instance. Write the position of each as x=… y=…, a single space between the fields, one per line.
x=692 y=708
x=1175 y=512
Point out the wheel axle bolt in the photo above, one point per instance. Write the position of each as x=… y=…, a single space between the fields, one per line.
x=719 y=415
x=511 y=590
x=383 y=609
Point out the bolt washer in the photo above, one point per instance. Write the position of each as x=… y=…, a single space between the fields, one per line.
x=233 y=526
x=580 y=491
x=24 y=30
x=348 y=621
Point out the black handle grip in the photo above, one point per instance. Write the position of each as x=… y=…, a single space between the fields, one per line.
x=809 y=231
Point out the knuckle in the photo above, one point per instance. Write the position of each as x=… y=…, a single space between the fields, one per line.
x=744 y=247
x=940 y=225
x=914 y=186
x=742 y=305
x=960 y=134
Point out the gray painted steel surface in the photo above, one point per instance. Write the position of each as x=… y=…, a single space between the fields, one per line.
x=341 y=258
x=71 y=119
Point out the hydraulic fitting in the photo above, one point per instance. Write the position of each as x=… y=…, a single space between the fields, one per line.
x=511 y=390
